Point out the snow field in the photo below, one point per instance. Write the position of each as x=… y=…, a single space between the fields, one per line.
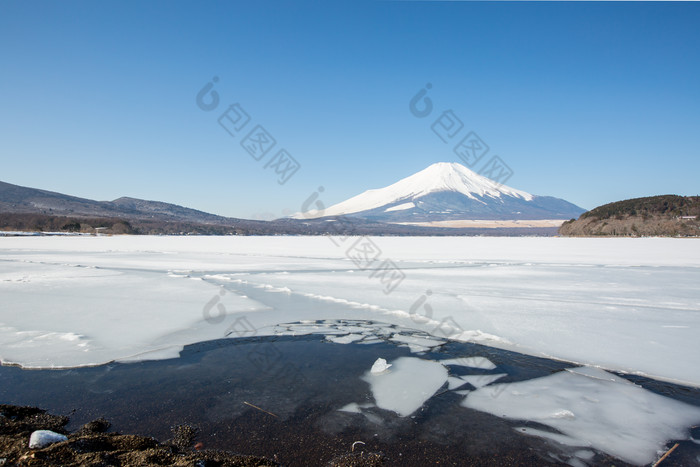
x=631 y=305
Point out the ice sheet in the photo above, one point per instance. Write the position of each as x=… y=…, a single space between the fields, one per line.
x=623 y=304
x=60 y=315
x=591 y=408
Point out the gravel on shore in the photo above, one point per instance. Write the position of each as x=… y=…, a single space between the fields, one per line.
x=91 y=445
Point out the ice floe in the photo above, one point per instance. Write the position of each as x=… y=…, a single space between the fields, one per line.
x=407 y=385
x=380 y=366
x=591 y=408
x=472 y=362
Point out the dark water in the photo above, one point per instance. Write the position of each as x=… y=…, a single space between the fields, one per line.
x=303 y=381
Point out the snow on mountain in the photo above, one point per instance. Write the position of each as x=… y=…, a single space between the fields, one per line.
x=447 y=191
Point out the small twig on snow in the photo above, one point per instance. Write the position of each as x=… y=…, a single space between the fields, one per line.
x=665 y=455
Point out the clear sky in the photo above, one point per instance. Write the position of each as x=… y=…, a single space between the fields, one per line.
x=590 y=102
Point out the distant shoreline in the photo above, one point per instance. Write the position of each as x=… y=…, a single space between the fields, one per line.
x=489 y=224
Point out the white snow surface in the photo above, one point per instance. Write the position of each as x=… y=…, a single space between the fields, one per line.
x=401 y=207
x=622 y=304
x=441 y=176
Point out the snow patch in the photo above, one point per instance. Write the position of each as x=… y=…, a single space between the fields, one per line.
x=42 y=438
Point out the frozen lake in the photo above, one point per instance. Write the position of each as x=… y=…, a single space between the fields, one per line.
x=626 y=305
x=305 y=399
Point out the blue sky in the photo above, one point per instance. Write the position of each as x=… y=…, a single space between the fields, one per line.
x=590 y=102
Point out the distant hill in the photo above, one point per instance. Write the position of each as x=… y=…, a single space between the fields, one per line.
x=19 y=199
x=665 y=215
x=33 y=209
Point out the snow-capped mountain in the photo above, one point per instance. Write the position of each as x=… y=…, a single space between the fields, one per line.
x=447 y=191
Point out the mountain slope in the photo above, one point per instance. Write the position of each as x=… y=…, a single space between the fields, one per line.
x=448 y=191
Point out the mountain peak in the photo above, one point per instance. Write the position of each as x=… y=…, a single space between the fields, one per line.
x=441 y=177
x=447 y=190
x=451 y=176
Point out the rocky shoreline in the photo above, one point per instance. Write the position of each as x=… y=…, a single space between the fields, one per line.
x=93 y=445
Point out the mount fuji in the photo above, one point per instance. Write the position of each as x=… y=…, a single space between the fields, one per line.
x=447 y=192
